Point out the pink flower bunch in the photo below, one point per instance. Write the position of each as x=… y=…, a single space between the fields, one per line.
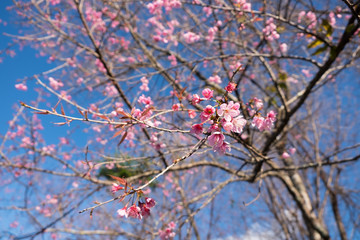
x=145 y=83
x=207 y=93
x=116 y=187
x=215 y=79
x=176 y=107
x=310 y=19
x=230 y=87
x=211 y=34
x=145 y=100
x=227 y=117
x=155 y=6
x=207 y=113
x=289 y=153
x=140 y=211
x=258 y=103
x=54 y=2
x=243 y=4
x=100 y=66
x=95 y=17
x=172 y=58
x=21 y=86
x=264 y=123
x=270 y=30
x=55 y=84
x=168 y=233
x=191 y=37
x=195 y=99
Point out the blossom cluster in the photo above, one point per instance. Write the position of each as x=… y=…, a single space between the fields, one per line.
x=270 y=31
x=226 y=116
x=142 y=210
x=168 y=233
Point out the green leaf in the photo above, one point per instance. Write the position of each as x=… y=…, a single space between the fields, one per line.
x=320 y=50
x=314 y=43
x=282 y=76
x=350 y=28
x=271 y=89
x=282 y=85
x=327 y=27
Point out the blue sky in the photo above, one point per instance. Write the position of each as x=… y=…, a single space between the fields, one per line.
x=12 y=69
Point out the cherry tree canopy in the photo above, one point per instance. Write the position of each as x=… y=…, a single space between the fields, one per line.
x=185 y=119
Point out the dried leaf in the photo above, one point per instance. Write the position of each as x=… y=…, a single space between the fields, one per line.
x=54 y=108
x=120 y=180
x=42 y=112
x=182 y=91
x=123 y=138
x=120 y=125
x=147 y=110
x=82 y=114
x=62 y=110
x=117 y=133
x=123 y=113
x=103 y=117
x=122 y=198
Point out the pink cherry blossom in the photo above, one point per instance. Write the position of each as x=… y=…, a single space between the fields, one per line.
x=191 y=37
x=209 y=110
x=207 y=93
x=172 y=58
x=195 y=99
x=230 y=87
x=215 y=79
x=222 y=148
x=214 y=128
x=196 y=129
x=54 y=2
x=228 y=126
x=258 y=103
x=55 y=84
x=257 y=122
x=228 y=111
x=268 y=122
x=134 y=212
x=123 y=212
x=292 y=151
x=21 y=86
x=150 y=202
x=14 y=224
x=285 y=155
x=116 y=187
x=269 y=31
x=145 y=211
x=216 y=138
x=64 y=141
x=144 y=86
x=100 y=66
x=192 y=114
x=283 y=48
x=176 y=107
x=211 y=34
x=145 y=100
x=168 y=232
x=238 y=123
x=271 y=116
